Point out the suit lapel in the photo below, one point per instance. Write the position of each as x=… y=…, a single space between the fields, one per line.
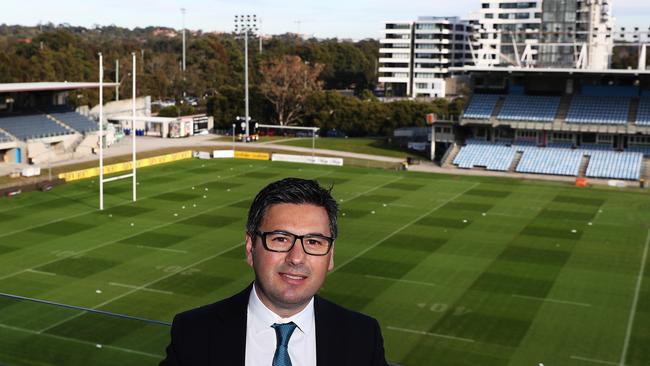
x=329 y=344
x=228 y=343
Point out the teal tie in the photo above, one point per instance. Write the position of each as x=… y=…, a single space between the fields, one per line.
x=282 y=333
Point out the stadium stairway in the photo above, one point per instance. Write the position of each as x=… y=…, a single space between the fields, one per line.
x=61 y=123
x=497 y=108
x=563 y=108
x=645 y=169
x=448 y=159
x=515 y=161
x=8 y=134
x=634 y=109
x=583 y=166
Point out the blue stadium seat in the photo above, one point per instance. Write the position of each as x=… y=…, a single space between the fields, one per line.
x=643 y=113
x=481 y=106
x=76 y=121
x=550 y=160
x=598 y=110
x=32 y=126
x=614 y=165
x=484 y=154
x=529 y=108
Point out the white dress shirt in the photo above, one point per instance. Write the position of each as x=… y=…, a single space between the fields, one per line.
x=261 y=339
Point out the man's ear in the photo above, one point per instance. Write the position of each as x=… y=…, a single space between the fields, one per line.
x=331 y=265
x=249 y=249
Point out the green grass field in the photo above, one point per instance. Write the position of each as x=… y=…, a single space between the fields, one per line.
x=458 y=270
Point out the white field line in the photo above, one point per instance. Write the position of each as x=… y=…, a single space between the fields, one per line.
x=401 y=280
x=370 y=190
x=92 y=344
x=430 y=334
x=41 y=272
x=593 y=360
x=120 y=204
x=152 y=228
x=404 y=227
x=163 y=249
x=630 y=322
x=143 y=289
x=556 y=301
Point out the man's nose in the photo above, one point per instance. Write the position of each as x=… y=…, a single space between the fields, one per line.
x=297 y=254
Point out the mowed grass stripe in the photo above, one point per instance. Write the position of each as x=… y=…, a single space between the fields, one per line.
x=144 y=198
x=491 y=321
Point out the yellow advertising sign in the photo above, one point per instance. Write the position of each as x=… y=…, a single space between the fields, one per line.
x=121 y=167
x=252 y=155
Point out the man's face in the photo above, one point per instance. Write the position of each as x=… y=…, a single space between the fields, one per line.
x=286 y=282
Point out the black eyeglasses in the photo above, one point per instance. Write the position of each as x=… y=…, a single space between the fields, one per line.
x=283 y=241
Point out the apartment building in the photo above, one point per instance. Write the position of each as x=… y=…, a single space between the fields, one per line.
x=415 y=56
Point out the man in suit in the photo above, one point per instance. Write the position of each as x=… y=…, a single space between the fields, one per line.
x=279 y=320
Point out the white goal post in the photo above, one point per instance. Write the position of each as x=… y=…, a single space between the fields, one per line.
x=101 y=134
x=312 y=129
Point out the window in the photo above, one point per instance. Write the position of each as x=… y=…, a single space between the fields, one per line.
x=522 y=15
x=422 y=85
x=504 y=16
x=489 y=16
x=485 y=5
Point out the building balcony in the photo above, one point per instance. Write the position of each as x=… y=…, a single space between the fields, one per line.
x=390 y=60
x=386 y=79
x=397 y=31
x=395 y=50
x=386 y=68
x=395 y=40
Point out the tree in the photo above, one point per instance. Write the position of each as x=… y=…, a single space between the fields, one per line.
x=287 y=82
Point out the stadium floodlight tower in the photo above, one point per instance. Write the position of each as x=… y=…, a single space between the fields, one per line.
x=101 y=134
x=245 y=24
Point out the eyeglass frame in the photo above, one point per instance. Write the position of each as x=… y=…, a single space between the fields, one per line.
x=263 y=235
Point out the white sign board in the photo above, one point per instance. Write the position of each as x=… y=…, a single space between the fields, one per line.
x=203 y=155
x=31 y=171
x=320 y=160
x=223 y=154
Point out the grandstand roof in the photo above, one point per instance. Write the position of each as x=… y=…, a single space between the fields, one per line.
x=49 y=86
x=511 y=69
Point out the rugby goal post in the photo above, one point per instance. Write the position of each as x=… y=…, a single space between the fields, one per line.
x=101 y=134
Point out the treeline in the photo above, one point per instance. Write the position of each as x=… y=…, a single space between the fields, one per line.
x=214 y=72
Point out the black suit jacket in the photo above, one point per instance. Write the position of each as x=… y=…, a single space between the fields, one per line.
x=215 y=334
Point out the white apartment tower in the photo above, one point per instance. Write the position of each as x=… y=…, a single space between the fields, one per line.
x=507 y=27
x=546 y=33
x=415 y=56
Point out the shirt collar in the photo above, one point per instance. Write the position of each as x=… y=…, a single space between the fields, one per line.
x=264 y=318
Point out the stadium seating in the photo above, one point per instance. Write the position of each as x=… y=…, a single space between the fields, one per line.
x=491 y=156
x=643 y=113
x=645 y=150
x=549 y=160
x=481 y=106
x=529 y=108
x=597 y=147
x=598 y=110
x=76 y=121
x=4 y=137
x=616 y=165
x=32 y=126
x=563 y=145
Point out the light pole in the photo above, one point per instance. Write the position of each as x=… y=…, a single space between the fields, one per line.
x=243 y=25
x=233 y=136
x=183 y=13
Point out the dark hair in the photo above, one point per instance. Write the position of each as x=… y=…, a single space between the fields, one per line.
x=296 y=191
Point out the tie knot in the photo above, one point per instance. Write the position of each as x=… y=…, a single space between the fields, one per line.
x=283 y=332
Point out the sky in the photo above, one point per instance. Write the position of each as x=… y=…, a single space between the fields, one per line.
x=346 y=19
